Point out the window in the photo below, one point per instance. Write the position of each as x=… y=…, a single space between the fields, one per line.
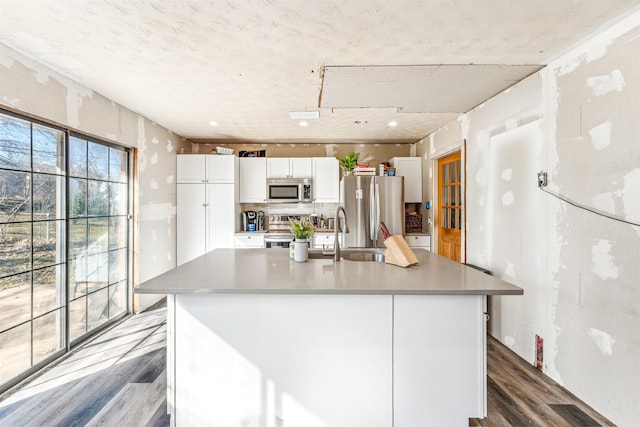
x=98 y=235
x=46 y=209
x=451 y=194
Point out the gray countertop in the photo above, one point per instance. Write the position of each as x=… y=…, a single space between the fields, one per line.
x=270 y=271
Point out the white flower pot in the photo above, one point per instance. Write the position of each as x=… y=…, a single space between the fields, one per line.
x=300 y=251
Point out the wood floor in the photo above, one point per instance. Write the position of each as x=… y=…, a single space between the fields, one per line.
x=520 y=395
x=119 y=379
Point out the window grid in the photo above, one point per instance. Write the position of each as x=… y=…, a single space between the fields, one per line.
x=35 y=237
x=451 y=188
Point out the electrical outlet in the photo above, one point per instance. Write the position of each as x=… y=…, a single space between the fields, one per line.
x=542 y=179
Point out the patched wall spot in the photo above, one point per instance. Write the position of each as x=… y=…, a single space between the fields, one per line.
x=601 y=135
x=604 y=202
x=630 y=193
x=506 y=174
x=603 y=341
x=602 y=261
x=509 y=341
x=510 y=271
x=601 y=85
x=481 y=177
x=330 y=150
x=508 y=198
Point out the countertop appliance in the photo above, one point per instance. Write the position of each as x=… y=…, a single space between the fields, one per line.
x=260 y=221
x=289 y=190
x=249 y=221
x=367 y=200
x=279 y=235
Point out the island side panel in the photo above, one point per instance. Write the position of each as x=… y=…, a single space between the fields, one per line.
x=171 y=367
x=294 y=360
x=439 y=360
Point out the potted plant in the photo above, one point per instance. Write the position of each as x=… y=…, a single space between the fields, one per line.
x=302 y=231
x=349 y=162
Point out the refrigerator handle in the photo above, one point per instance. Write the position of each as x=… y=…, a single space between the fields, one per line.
x=377 y=224
x=372 y=212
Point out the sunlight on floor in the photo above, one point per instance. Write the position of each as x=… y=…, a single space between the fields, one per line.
x=137 y=336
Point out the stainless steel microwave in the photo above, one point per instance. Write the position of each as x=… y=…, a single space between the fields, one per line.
x=289 y=190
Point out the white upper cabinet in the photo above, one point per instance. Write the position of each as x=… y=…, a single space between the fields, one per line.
x=289 y=167
x=253 y=179
x=221 y=169
x=411 y=169
x=278 y=167
x=326 y=180
x=205 y=168
x=301 y=167
x=191 y=168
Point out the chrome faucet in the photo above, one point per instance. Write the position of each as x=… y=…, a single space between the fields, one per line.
x=345 y=229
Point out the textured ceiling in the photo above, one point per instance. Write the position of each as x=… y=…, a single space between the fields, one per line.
x=247 y=64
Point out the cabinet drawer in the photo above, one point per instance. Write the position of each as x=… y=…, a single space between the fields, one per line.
x=325 y=239
x=249 y=241
x=419 y=241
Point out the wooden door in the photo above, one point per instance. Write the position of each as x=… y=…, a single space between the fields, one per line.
x=450 y=206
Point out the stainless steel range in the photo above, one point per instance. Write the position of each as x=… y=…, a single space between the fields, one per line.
x=278 y=235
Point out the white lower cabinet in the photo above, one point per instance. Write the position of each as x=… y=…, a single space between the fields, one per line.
x=439 y=374
x=326 y=360
x=322 y=239
x=205 y=215
x=251 y=241
x=220 y=201
x=283 y=360
x=423 y=241
x=191 y=216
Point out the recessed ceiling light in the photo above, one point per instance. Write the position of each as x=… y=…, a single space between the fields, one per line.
x=306 y=115
x=393 y=123
x=304 y=124
x=213 y=123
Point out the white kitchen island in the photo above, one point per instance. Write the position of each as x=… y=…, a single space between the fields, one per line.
x=256 y=339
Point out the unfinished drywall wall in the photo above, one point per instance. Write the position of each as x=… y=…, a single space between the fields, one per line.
x=577 y=120
x=369 y=153
x=32 y=89
x=595 y=160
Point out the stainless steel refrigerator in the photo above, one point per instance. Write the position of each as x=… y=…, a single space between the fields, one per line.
x=367 y=200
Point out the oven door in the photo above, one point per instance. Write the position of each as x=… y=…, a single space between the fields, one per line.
x=273 y=242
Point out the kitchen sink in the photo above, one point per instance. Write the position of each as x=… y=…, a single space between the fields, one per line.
x=372 y=255
x=364 y=256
